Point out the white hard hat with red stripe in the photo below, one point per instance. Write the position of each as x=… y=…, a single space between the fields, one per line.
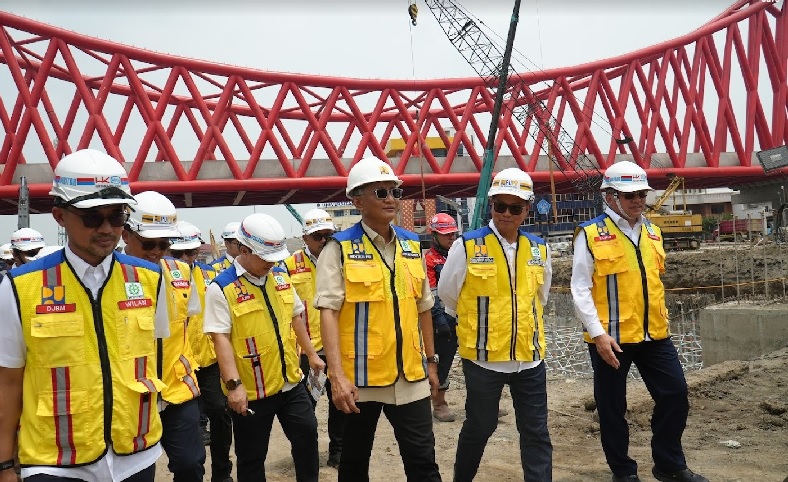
x=625 y=176
x=190 y=238
x=264 y=236
x=88 y=178
x=27 y=239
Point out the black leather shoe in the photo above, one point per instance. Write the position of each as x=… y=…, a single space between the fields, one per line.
x=333 y=461
x=626 y=478
x=685 y=475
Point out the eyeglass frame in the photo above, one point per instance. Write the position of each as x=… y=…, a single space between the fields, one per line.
x=629 y=196
x=150 y=244
x=318 y=237
x=514 y=209
x=398 y=190
x=85 y=214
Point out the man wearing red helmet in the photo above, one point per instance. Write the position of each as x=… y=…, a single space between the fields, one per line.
x=444 y=232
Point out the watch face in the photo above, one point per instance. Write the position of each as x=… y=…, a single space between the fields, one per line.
x=232 y=384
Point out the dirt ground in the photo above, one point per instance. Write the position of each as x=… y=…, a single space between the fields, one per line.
x=737 y=429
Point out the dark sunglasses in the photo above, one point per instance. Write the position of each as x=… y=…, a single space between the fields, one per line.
x=515 y=209
x=150 y=244
x=94 y=219
x=631 y=195
x=383 y=193
x=188 y=252
x=318 y=237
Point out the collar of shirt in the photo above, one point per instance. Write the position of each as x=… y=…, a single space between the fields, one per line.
x=506 y=244
x=373 y=235
x=241 y=271
x=229 y=258
x=82 y=268
x=622 y=223
x=311 y=256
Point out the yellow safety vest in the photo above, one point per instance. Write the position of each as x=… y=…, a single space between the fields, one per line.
x=221 y=264
x=263 y=341
x=90 y=369
x=202 y=344
x=621 y=271
x=499 y=313
x=177 y=359
x=379 y=332
x=302 y=274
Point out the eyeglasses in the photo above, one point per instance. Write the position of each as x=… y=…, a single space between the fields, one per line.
x=383 y=193
x=188 y=252
x=94 y=219
x=631 y=195
x=30 y=253
x=515 y=209
x=318 y=237
x=150 y=244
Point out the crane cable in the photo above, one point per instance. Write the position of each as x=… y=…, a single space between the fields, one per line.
x=413 y=12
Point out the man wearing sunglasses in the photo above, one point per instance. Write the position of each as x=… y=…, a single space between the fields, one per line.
x=231 y=247
x=375 y=302
x=78 y=327
x=25 y=245
x=212 y=401
x=301 y=266
x=619 y=296
x=496 y=280
x=253 y=315
x=147 y=235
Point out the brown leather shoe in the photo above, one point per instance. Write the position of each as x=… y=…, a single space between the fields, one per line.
x=442 y=413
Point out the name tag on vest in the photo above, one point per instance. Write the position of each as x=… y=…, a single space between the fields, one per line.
x=135 y=303
x=243 y=298
x=64 y=308
x=180 y=283
x=605 y=237
x=481 y=260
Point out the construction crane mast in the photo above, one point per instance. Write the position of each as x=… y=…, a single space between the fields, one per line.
x=295 y=214
x=494 y=66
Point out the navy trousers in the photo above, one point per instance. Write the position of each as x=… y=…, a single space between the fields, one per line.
x=214 y=405
x=182 y=442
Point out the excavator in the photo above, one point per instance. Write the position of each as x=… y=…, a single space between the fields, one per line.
x=680 y=228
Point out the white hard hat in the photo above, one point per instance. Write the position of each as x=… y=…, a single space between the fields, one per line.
x=318 y=220
x=190 y=238
x=90 y=178
x=625 y=176
x=368 y=170
x=27 y=239
x=6 y=253
x=230 y=230
x=512 y=181
x=264 y=236
x=154 y=216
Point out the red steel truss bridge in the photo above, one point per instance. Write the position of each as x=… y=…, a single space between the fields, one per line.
x=207 y=134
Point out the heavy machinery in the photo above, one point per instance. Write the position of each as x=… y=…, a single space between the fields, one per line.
x=680 y=228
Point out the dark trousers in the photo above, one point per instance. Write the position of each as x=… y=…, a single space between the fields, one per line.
x=336 y=417
x=144 y=475
x=659 y=365
x=529 y=397
x=214 y=405
x=182 y=442
x=412 y=424
x=445 y=347
x=253 y=432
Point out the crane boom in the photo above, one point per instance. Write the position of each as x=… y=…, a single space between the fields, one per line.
x=486 y=58
x=295 y=214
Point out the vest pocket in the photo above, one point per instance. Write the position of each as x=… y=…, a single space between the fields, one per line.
x=135 y=335
x=416 y=276
x=363 y=282
x=609 y=259
x=535 y=279
x=481 y=278
x=60 y=337
x=372 y=349
x=247 y=316
x=659 y=256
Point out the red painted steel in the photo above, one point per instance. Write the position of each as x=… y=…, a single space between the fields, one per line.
x=285 y=137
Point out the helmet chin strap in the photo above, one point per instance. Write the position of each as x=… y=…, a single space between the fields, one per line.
x=621 y=210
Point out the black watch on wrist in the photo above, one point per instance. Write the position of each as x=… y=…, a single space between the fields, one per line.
x=232 y=384
x=8 y=464
x=433 y=359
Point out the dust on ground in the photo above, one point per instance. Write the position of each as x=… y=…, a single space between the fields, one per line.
x=737 y=429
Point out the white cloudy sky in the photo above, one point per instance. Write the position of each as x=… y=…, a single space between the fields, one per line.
x=355 y=38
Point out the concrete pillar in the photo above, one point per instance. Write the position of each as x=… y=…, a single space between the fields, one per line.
x=742 y=332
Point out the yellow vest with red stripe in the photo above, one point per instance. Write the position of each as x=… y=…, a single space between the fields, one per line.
x=499 y=314
x=177 y=359
x=263 y=341
x=90 y=369
x=302 y=274
x=379 y=332
x=621 y=271
x=202 y=344
x=221 y=264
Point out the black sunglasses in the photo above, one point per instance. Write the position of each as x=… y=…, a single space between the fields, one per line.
x=631 y=195
x=150 y=244
x=321 y=236
x=177 y=253
x=94 y=219
x=383 y=193
x=515 y=209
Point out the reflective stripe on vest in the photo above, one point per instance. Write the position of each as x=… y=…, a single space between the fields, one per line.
x=302 y=273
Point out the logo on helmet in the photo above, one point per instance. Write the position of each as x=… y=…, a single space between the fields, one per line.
x=385 y=170
x=108 y=181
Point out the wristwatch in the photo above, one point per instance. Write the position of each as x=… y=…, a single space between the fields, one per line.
x=232 y=384
x=433 y=359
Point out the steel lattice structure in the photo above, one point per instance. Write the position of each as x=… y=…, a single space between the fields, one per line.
x=213 y=134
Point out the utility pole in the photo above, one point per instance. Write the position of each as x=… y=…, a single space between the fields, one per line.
x=23 y=208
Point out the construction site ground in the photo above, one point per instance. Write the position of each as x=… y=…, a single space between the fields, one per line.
x=737 y=429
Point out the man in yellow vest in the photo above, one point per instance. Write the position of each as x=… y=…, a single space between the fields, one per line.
x=301 y=266
x=619 y=296
x=252 y=313
x=147 y=235
x=375 y=302
x=78 y=351
x=496 y=280
x=231 y=247
x=212 y=401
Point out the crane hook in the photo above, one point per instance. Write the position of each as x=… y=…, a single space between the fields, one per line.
x=413 y=11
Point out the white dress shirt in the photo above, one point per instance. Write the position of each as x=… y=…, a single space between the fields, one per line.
x=583 y=270
x=453 y=277
x=110 y=467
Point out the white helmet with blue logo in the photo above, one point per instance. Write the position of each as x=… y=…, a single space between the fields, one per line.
x=90 y=178
x=625 y=176
x=264 y=236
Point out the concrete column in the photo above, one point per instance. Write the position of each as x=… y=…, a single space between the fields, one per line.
x=742 y=332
